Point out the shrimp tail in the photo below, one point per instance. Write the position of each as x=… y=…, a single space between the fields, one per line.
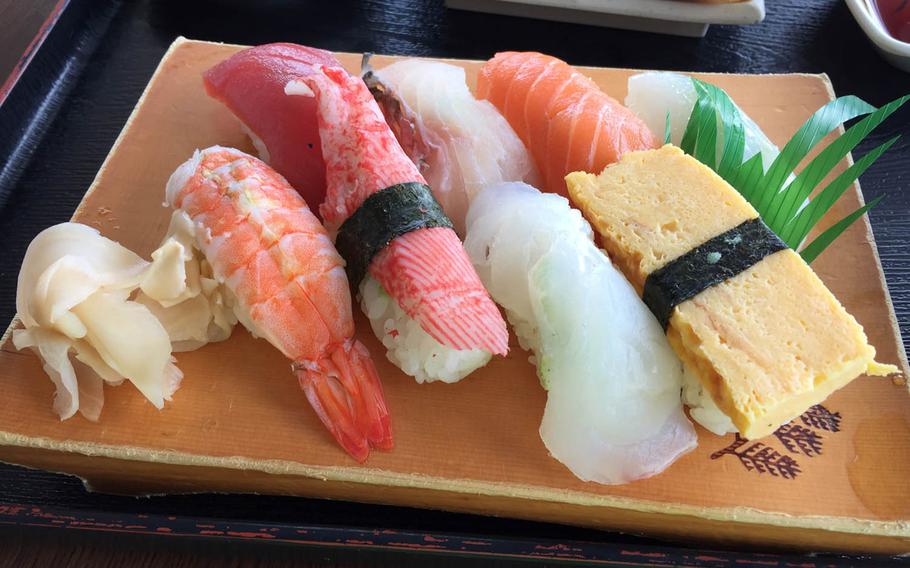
x=344 y=390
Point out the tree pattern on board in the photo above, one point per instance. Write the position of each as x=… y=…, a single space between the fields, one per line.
x=821 y=418
x=799 y=440
x=806 y=440
x=761 y=458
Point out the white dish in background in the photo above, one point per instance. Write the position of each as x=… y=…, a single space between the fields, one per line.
x=659 y=16
x=893 y=50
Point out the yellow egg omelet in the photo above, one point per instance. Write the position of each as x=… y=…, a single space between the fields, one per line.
x=767 y=343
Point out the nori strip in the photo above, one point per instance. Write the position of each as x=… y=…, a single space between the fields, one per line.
x=710 y=263
x=383 y=217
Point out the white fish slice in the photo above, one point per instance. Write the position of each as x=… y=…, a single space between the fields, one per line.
x=460 y=143
x=613 y=411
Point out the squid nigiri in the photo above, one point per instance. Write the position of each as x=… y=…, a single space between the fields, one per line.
x=613 y=412
x=283 y=129
x=563 y=117
x=287 y=284
x=460 y=144
x=417 y=285
x=655 y=94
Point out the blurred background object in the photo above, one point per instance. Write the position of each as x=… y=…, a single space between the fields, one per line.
x=895 y=14
x=887 y=24
x=677 y=17
x=24 y=25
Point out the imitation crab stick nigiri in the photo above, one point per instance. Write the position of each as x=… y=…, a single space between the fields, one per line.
x=251 y=84
x=563 y=117
x=288 y=285
x=423 y=298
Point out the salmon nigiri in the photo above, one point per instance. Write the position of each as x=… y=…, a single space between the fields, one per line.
x=424 y=299
x=251 y=84
x=563 y=117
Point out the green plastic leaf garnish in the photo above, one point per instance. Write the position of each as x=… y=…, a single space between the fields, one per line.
x=782 y=197
x=823 y=240
x=798 y=228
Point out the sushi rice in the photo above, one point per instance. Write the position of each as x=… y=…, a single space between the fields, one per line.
x=702 y=407
x=408 y=346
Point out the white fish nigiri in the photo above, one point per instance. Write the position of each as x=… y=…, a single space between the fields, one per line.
x=613 y=411
x=653 y=94
x=460 y=144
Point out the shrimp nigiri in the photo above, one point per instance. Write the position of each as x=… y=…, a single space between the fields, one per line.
x=423 y=297
x=287 y=284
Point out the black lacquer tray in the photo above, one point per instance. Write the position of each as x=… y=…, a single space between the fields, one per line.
x=59 y=121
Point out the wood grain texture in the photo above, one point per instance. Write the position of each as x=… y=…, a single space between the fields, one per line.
x=797 y=36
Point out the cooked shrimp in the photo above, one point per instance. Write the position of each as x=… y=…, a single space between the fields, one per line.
x=442 y=324
x=288 y=283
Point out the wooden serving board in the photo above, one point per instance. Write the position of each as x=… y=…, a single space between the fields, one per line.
x=836 y=480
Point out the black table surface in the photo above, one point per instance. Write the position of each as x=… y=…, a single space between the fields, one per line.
x=63 y=117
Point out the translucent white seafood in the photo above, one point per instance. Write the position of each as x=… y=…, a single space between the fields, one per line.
x=73 y=298
x=655 y=93
x=460 y=144
x=613 y=411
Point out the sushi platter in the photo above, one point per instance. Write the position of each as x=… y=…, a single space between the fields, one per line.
x=833 y=479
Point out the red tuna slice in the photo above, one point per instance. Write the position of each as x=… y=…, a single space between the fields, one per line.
x=251 y=84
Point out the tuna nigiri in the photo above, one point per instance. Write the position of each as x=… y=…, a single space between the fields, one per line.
x=613 y=412
x=563 y=117
x=460 y=144
x=251 y=84
x=401 y=251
